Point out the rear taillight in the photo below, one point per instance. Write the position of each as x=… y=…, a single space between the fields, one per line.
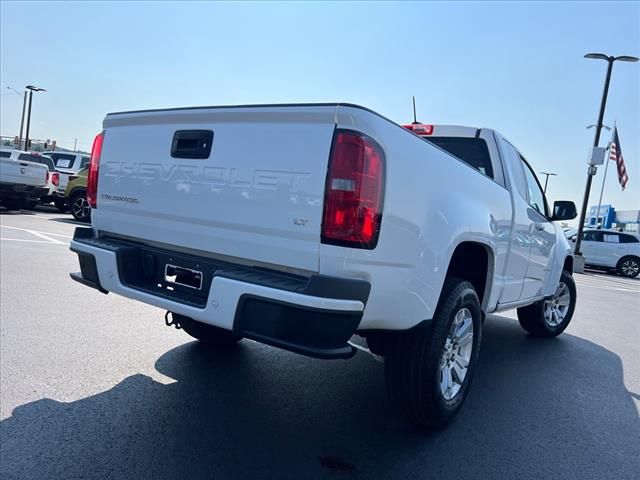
x=354 y=192
x=55 y=179
x=94 y=165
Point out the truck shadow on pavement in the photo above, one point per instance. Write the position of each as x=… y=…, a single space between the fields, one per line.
x=538 y=409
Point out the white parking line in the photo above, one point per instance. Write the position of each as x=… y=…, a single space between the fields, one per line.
x=44 y=235
x=25 y=240
x=607 y=282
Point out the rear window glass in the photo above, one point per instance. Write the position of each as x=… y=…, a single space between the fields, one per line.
x=63 y=160
x=5 y=154
x=472 y=151
x=45 y=161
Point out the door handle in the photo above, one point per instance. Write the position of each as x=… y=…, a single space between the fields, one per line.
x=538 y=226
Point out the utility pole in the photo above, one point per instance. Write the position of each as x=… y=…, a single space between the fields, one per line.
x=546 y=180
x=75 y=143
x=592 y=169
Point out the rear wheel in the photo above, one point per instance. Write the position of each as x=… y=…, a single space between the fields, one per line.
x=80 y=208
x=429 y=368
x=549 y=317
x=60 y=204
x=207 y=334
x=14 y=203
x=31 y=204
x=629 y=266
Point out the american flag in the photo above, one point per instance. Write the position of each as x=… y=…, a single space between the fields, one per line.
x=615 y=153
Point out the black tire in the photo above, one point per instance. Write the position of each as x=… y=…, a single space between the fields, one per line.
x=538 y=318
x=80 y=208
x=628 y=266
x=60 y=204
x=207 y=334
x=413 y=359
x=31 y=205
x=14 y=203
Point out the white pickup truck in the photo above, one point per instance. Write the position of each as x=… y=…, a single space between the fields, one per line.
x=300 y=226
x=22 y=181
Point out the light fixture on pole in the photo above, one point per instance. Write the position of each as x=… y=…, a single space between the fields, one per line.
x=546 y=180
x=592 y=169
x=31 y=89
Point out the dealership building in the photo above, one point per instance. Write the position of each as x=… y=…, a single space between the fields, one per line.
x=609 y=217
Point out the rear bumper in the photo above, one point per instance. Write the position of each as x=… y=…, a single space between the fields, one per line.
x=314 y=316
x=14 y=190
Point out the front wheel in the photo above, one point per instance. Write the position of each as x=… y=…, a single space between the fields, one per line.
x=549 y=317
x=629 y=266
x=429 y=368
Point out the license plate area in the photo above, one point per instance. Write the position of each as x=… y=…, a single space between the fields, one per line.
x=182 y=278
x=187 y=277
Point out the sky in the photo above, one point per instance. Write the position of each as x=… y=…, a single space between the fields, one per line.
x=515 y=67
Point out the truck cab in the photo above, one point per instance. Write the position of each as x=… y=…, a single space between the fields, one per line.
x=534 y=237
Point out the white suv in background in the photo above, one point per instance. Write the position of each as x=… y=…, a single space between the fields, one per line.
x=610 y=249
x=67 y=163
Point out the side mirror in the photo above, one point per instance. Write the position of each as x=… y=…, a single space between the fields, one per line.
x=564 y=210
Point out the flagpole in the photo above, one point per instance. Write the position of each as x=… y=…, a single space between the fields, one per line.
x=607 y=159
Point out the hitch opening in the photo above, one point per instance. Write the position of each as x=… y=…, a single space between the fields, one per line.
x=171 y=321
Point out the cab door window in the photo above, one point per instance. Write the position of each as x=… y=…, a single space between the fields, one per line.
x=536 y=195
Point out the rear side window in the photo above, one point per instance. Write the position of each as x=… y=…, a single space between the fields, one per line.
x=472 y=151
x=592 y=236
x=5 y=154
x=628 y=239
x=84 y=163
x=611 y=237
x=44 y=161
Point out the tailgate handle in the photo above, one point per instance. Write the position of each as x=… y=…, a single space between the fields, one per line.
x=192 y=144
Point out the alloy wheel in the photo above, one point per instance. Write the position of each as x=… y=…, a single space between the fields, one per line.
x=556 y=307
x=81 y=208
x=630 y=267
x=456 y=355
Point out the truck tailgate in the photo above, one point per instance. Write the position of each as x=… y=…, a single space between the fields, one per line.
x=257 y=195
x=23 y=173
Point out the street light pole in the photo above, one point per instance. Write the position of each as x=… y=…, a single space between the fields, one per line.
x=24 y=105
x=592 y=169
x=546 y=180
x=31 y=89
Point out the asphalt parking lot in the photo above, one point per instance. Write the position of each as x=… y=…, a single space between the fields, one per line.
x=95 y=386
